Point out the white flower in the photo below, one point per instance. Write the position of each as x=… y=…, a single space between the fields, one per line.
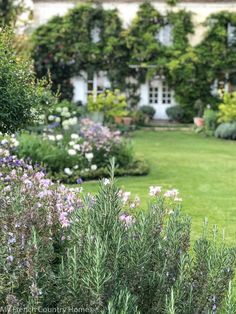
x=76 y=167
x=106 y=181
x=154 y=190
x=4 y=142
x=67 y=114
x=58 y=109
x=89 y=156
x=74 y=136
x=94 y=167
x=51 y=118
x=71 y=143
x=58 y=119
x=77 y=146
x=51 y=137
x=68 y=171
x=71 y=152
x=178 y=199
x=59 y=137
x=15 y=143
x=64 y=109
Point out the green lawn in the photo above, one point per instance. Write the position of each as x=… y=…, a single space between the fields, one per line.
x=202 y=169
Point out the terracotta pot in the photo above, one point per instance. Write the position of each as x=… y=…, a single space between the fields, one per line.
x=199 y=122
x=118 y=120
x=127 y=120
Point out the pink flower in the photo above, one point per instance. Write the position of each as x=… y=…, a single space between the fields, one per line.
x=127 y=219
x=171 y=193
x=154 y=190
x=64 y=220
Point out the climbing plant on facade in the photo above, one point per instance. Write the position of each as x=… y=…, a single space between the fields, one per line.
x=86 y=39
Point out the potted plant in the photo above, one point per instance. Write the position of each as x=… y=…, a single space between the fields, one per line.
x=109 y=105
x=198 y=120
x=127 y=120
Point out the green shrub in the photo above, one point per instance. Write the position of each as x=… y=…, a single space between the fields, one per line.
x=148 y=111
x=68 y=154
x=109 y=103
x=176 y=113
x=226 y=131
x=142 y=264
x=42 y=151
x=60 y=249
x=21 y=98
x=210 y=119
x=227 y=110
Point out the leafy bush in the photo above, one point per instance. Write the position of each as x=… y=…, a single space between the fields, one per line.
x=226 y=131
x=110 y=103
x=69 y=155
x=60 y=249
x=176 y=113
x=148 y=111
x=210 y=119
x=227 y=110
x=21 y=98
x=10 y=11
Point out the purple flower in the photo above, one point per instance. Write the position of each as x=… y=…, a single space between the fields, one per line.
x=10 y=259
x=79 y=181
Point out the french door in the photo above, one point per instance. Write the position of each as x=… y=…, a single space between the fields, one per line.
x=160 y=97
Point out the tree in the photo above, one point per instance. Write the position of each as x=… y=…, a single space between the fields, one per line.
x=10 y=10
x=21 y=96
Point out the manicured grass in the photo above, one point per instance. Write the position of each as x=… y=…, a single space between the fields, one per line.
x=202 y=169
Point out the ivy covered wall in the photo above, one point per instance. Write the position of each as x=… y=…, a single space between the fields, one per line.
x=65 y=46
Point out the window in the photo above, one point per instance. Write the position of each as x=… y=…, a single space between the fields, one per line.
x=96 y=34
x=165 y=35
x=97 y=83
x=153 y=95
x=231 y=34
x=166 y=94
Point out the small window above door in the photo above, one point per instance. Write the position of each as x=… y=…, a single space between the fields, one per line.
x=164 y=36
x=96 y=34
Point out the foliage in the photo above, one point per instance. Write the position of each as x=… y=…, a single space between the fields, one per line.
x=172 y=2
x=138 y=52
x=227 y=109
x=79 y=153
x=110 y=103
x=176 y=113
x=146 y=51
x=60 y=248
x=9 y=11
x=210 y=119
x=50 y=44
x=226 y=131
x=21 y=98
x=148 y=111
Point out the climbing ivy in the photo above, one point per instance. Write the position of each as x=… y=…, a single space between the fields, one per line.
x=65 y=47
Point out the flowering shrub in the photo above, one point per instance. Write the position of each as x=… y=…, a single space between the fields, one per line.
x=60 y=250
x=34 y=217
x=84 y=152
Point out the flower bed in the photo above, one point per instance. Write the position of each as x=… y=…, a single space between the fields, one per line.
x=82 y=151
